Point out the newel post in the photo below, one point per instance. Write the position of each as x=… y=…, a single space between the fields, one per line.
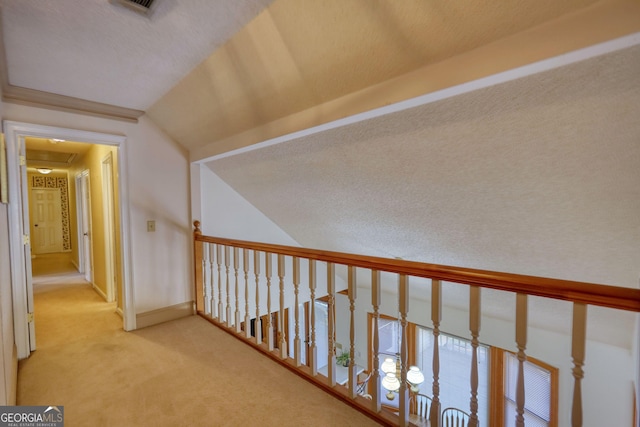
x=197 y=265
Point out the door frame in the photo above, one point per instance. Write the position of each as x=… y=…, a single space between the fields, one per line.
x=83 y=193
x=108 y=215
x=15 y=133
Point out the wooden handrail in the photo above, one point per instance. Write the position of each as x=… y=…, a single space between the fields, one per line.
x=588 y=293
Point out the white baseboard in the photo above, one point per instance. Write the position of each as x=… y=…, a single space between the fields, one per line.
x=99 y=291
x=165 y=314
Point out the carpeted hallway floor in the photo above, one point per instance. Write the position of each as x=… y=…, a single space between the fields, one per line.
x=181 y=373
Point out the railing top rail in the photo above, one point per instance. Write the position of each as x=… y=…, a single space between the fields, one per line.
x=587 y=293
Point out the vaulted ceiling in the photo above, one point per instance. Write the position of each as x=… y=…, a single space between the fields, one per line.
x=219 y=75
x=425 y=183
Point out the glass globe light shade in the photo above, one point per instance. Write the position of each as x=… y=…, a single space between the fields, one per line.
x=388 y=366
x=414 y=376
x=390 y=382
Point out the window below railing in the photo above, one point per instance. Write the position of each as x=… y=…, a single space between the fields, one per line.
x=313 y=305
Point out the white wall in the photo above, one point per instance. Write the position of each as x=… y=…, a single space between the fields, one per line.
x=158 y=175
x=608 y=367
x=7 y=371
x=8 y=374
x=225 y=213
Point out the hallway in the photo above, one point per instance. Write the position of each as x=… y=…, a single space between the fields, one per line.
x=185 y=372
x=53 y=264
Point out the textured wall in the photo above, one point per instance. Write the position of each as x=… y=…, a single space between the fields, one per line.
x=536 y=176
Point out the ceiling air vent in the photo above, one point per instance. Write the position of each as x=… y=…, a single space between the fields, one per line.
x=141 y=6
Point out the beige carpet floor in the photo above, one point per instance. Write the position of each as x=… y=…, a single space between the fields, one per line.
x=181 y=373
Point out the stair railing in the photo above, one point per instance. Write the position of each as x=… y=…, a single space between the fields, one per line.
x=217 y=262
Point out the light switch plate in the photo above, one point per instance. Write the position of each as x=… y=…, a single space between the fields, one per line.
x=151 y=226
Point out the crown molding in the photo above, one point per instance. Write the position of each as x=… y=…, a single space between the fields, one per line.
x=36 y=98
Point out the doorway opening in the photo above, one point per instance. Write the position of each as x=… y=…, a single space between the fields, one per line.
x=70 y=212
x=72 y=229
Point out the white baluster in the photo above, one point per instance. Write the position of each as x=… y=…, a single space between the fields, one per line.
x=247 y=320
x=256 y=271
x=353 y=375
x=313 y=349
x=219 y=262
x=474 y=327
x=211 y=276
x=403 y=304
x=227 y=255
x=578 y=342
x=436 y=318
x=281 y=320
x=236 y=264
x=267 y=260
x=375 y=376
x=521 y=341
x=206 y=288
x=331 y=291
x=297 y=349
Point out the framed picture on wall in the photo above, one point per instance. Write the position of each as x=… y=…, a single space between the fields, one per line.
x=4 y=198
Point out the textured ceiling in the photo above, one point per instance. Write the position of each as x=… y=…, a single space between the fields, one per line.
x=217 y=75
x=297 y=55
x=99 y=51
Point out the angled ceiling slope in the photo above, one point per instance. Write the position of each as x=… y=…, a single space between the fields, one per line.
x=98 y=57
x=301 y=64
x=218 y=76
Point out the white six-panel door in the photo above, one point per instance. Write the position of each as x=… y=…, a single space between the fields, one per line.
x=46 y=233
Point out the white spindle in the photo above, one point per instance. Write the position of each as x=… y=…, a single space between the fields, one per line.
x=267 y=267
x=236 y=264
x=313 y=349
x=474 y=327
x=521 y=341
x=219 y=262
x=403 y=304
x=353 y=380
x=206 y=288
x=247 y=320
x=227 y=255
x=375 y=375
x=578 y=342
x=297 y=349
x=281 y=320
x=436 y=318
x=257 y=326
x=213 y=284
x=331 y=291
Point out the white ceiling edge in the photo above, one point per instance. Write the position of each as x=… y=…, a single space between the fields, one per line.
x=485 y=82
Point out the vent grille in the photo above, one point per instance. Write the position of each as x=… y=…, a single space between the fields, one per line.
x=142 y=6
